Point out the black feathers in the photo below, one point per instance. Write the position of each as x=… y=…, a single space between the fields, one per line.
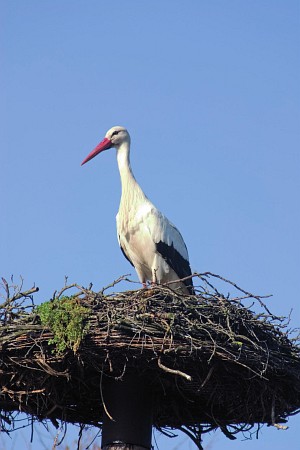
x=176 y=261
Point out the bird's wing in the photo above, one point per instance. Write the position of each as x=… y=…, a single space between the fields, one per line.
x=120 y=244
x=170 y=244
x=124 y=252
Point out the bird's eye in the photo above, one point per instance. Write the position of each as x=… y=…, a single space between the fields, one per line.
x=115 y=132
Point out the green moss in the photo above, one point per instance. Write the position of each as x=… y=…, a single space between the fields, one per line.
x=66 y=318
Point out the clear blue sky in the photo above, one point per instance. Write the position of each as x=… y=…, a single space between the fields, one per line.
x=210 y=93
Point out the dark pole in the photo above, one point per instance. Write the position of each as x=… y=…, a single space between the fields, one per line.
x=127 y=421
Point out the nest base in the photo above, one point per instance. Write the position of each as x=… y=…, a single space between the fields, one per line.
x=209 y=361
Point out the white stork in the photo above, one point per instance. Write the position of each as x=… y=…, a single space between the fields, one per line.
x=150 y=242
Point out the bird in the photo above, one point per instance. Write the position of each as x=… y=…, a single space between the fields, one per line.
x=148 y=240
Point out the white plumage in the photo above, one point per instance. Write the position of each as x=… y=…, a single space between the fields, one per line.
x=150 y=242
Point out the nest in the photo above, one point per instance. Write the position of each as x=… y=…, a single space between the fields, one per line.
x=210 y=360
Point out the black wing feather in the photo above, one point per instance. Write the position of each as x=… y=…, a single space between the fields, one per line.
x=180 y=265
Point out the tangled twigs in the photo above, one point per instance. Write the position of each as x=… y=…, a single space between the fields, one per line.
x=210 y=360
x=18 y=294
x=14 y=305
x=248 y=294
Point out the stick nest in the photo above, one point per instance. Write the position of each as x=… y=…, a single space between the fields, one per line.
x=210 y=361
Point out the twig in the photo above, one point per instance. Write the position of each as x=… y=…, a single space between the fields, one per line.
x=118 y=280
x=102 y=398
x=173 y=371
x=280 y=427
x=257 y=297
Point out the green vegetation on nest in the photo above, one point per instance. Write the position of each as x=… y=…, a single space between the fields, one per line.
x=66 y=318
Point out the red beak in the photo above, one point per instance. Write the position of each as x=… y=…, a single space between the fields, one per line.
x=104 y=145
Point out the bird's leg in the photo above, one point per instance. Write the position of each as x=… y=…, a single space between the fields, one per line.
x=154 y=277
x=144 y=285
x=154 y=281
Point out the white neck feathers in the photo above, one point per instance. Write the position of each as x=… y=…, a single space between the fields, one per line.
x=131 y=191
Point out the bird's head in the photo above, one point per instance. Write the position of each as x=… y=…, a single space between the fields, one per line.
x=115 y=137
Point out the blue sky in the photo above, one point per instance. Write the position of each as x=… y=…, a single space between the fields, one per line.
x=210 y=93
